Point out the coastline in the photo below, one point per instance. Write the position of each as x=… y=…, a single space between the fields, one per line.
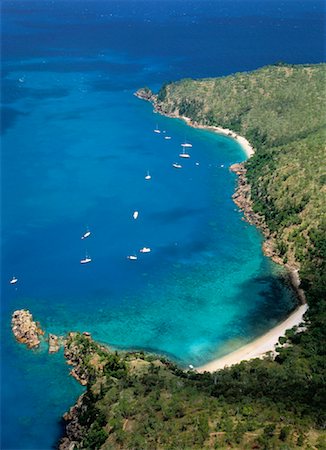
x=260 y=346
x=245 y=144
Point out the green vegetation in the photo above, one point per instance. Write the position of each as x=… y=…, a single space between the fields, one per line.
x=137 y=401
x=154 y=404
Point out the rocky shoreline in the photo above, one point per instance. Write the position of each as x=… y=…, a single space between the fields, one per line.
x=72 y=353
x=242 y=198
x=29 y=332
x=73 y=430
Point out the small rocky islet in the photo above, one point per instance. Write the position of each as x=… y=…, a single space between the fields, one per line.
x=25 y=329
x=29 y=332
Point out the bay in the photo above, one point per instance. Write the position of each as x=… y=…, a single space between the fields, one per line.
x=76 y=146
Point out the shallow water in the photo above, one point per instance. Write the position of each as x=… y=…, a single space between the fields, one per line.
x=76 y=146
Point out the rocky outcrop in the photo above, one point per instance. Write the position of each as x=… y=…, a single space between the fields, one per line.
x=72 y=353
x=146 y=94
x=54 y=343
x=74 y=431
x=29 y=332
x=25 y=329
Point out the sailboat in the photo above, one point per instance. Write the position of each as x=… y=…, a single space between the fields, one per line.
x=177 y=166
x=184 y=154
x=86 y=260
x=86 y=234
x=186 y=144
x=132 y=257
x=135 y=215
x=148 y=177
x=13 y=280
x=145 y=250
x=157 y=130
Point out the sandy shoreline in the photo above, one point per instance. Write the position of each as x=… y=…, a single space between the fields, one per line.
x=258 y=347
x=245 y=144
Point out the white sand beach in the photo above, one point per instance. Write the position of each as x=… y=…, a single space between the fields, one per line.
x=258 y=347
x=247 y=147
x=245 y=144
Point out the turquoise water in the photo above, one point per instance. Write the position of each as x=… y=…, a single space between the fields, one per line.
x=76 y=146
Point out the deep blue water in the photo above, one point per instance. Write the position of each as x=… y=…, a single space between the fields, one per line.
x=76 y=145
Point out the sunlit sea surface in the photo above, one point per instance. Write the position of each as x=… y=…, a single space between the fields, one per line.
x=76 y=146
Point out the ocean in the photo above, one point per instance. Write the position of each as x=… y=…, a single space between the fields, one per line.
x=76 y=146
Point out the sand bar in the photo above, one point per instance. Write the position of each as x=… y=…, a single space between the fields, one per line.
x=258 y=347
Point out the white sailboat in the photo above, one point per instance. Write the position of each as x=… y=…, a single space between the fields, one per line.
x=135 y=215
x=145 y=250
x=184 y=154
x=13 y=280
x=186 y=144
x=177 y=166
x=132 y=257
x=148 y=177
x=157 y=130
x=86 y=260
x=86 y=234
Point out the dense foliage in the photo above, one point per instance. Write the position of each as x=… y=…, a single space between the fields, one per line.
x=137 y=401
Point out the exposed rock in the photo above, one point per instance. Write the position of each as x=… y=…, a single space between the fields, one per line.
x=25 y=329
x=66 y=444
x=146 y=94
x=237 y=168
x=242 y=198
x=269 y=250
x=295 y=281
x=54 y=343
x=74 y=431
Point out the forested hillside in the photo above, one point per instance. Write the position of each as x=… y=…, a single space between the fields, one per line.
x=139 y=401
